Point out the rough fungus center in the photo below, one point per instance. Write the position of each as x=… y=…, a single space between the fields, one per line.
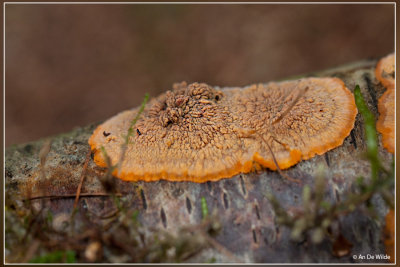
x=199 y=133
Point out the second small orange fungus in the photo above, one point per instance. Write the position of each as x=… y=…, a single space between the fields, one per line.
x=385 y=73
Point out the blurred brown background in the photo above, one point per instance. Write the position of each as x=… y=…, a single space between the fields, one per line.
x=70 y=65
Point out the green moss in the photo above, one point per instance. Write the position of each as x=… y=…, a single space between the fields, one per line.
x=204 y=207
x=56 y=257
x=370 y=132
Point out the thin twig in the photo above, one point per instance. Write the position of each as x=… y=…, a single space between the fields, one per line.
x=73 y=196
x=291 y=105
x=109 y=214
x=221 y=248
x=276 y=163
x=201 y=228
x=279 y=169
x=107 y=180
x=44 y=151
x=31 y=250
x=124 y=146
x=83 y=174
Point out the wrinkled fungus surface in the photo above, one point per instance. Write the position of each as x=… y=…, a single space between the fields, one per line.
x=185 y=134
x=385 y=73
x=319 y=120
x=199 y=133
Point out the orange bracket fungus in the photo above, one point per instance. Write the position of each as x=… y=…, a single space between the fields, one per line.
x=199 y=133
x=321 y=117
x=385 y=73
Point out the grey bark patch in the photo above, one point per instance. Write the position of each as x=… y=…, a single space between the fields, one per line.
x=353 y=139
x=225 y=200
x=257 y=211
x=163 y=218
x=371 y=89
x=242 y=185
x=327 y=159
x=144 y=201
x=209 y=186
x=254 y=236
x=188 y=205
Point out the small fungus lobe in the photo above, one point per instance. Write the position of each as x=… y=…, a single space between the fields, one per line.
x=200 y=133
x=318 y=121
x=385 y=73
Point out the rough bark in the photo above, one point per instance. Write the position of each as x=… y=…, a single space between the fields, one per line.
x=248 y=222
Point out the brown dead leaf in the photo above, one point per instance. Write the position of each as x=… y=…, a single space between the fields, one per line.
x=341 y=247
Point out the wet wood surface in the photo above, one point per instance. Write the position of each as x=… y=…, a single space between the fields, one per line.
x=249 y=229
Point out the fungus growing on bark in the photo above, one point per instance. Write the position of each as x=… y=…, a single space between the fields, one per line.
x=199 y=133
x=296 y=119
x=385 y=73
x=185 y=134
